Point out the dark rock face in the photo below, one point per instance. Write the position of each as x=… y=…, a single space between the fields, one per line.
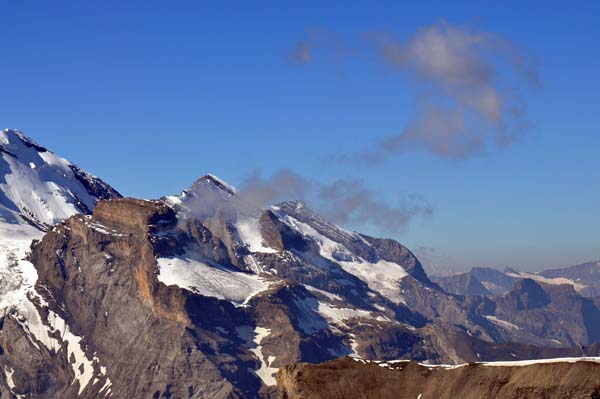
x=33 y=371
x=94 y=186
x=347 y=378
x=527 y=294
x=555 y=313
x=280 y=236
x=479 y=281
x=272 y=231
x=462 y=284
x=498 y=282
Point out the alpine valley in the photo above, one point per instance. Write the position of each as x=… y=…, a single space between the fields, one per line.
x=193 y=296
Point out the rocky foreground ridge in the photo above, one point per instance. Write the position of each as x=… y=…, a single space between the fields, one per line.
x=357 y=378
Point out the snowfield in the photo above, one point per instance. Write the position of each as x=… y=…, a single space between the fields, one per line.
x=37 y=184
x=210 y=280
x=249 y=232
x=382 y=276
x=502 y=323
x=17 y=276
x=553 y=281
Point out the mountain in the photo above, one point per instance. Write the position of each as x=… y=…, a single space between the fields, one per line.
x=533 y=310
x=149 y=277
x=41 y=188
x=202 y=294
x=537 y=311
x=357 y=378
x=465 y=284
x=584 y=278
x=37 y=189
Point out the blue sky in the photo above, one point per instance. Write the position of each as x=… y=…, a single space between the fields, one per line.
x=150 y=95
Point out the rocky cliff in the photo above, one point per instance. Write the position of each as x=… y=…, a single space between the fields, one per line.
x=355 y=378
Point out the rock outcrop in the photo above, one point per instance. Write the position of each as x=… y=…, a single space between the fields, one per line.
x=354 y=378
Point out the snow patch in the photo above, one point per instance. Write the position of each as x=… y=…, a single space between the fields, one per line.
x=210 y=280
x=339 y=315
x=327 y=294
x=354 y=347
x=503 y=323
x=553 y=281
x=254 y=338
x=543 y=361
x=249 y=231
x=17 y=276
x=514 y=363
x=8 y=373
x=383 y=277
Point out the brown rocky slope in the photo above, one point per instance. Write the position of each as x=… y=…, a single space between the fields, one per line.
x=353 y=378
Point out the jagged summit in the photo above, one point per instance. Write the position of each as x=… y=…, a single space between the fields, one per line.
x=210 y=180
x=219 y=183
x=39 y=187
x=206 y=197
x=19 y=135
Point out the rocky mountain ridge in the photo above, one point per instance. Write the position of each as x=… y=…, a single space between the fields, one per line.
x=356 y=378
x=196 y=295
x=584 y=278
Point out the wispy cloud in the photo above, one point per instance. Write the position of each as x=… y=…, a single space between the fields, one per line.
x=323 y=44
x=302 y=54
x=467 y=101
x=343 y=201
x=346 y=202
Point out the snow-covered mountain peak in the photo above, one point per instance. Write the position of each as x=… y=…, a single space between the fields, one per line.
x=217 y=181
x=210 y=182
x=206 y=197
x=39 y=187
x=16 y=143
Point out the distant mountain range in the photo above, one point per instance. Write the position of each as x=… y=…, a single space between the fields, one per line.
x=193 y=296
x=584 y=278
